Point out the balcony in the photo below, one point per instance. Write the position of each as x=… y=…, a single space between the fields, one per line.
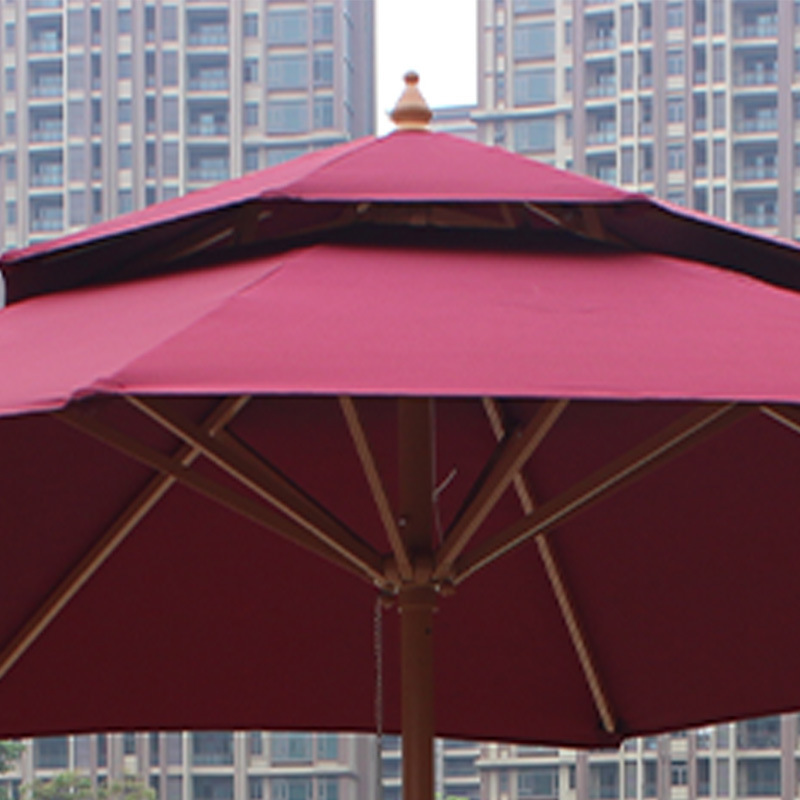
x=209 y=83
x=47 y=133
x=208 y=174
x=46 y=44
x=600 y=43
x=48 y=223
x=604 y=89
x=756 y=77
x=209 y=128
x=757 y=172
x=48 y=177
x=47 y=87
x=209 y=37
x=601 y=137
x=766 y=28
x=757 y=124
x=760 y=219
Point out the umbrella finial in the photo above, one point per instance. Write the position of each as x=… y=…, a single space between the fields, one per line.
x=411 y=111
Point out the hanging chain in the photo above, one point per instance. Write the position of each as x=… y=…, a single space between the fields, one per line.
x=377 y=638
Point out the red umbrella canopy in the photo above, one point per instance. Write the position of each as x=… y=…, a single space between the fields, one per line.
x=410 y=368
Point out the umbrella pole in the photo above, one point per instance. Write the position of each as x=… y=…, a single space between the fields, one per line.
x=417 y=605
x=417 y=595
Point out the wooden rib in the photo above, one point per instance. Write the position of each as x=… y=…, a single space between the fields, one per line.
x=655 y=451
x=375 y=483
x=247 y=507
x=788 y=416
x=108 y=543
x=554 y=575
x=269 y=484
x=513 y=451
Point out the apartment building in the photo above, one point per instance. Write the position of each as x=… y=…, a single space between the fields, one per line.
x=111 y=105
x=694 y=101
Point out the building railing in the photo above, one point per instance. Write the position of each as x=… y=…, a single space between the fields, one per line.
x=757 y=124
x=208 y=84
x=756 y=78
x=45 y=45
x=601 y=90
x=209 y=38
x=600 y=43
x=55 y=134
x=209 y=174
x=47 y=223
x=763 y=219
x=757 y=173
x=47 y=178
x=601 y=137
x=47 y=89
x=757 y=30
x=205 y=129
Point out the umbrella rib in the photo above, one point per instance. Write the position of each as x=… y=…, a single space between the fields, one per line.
x=788 y=416
x=269 y=484
x=251 y=509
x=373 y=476
x=108 y=543
x=559 y=587
x=512 y=452
x=654 y=451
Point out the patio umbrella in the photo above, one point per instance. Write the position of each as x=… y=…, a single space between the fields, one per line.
x=511 y=402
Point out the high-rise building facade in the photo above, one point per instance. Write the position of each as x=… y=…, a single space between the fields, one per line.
x=111 y=105
x=694 y=101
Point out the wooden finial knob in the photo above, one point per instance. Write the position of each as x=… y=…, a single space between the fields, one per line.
x=411 y=111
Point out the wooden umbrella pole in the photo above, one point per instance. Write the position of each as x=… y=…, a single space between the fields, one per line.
x=417 y=596
x=417 y=606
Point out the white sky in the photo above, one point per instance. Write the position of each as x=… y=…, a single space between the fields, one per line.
x=437 y=39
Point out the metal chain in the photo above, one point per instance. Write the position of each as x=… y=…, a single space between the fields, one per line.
x=377 y=638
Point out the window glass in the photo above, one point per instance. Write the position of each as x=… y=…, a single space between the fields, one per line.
x=534 y=40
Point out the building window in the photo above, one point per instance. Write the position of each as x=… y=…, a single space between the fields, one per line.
x=327 y=746
x=323 y=69
x=11 y=124
x=537 y=782
x=125 y=156
x=534 y=40
x=703 y=765
x=169 y=68
x=76 y=72
x=630 y=766
x=11 y=34
x=11 y=79
x=170 y=166
x=250 y=23
x=759 y=777
x=626 y=71
x=285 y=72
x=75 y=22
x=212 y=748
x=649 y=779
x=626 y=118
x=76 y=163
x=170 y=120
x=124 y=66
x=675 y=15
x=124 y=20
x=534 y=86
x=675 y=62
x=50 y=752
x=534 y=135
x=287 y=116
x=626 y=24
x=675 y=109
x=718 y=155
x=323 y=112
x=327 y=789
x=124 y=110
x=124 y=205
x=169 y=23
x=323 y=24
x=603 y=781
x=534 y=6
x=291 y=747
x=11 y=212
x=287 y=27
x=277 y=155
x=250 y=115
x=250 y=70
x=718 y=63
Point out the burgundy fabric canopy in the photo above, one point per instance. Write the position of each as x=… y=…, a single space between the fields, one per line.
x=418 y=369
